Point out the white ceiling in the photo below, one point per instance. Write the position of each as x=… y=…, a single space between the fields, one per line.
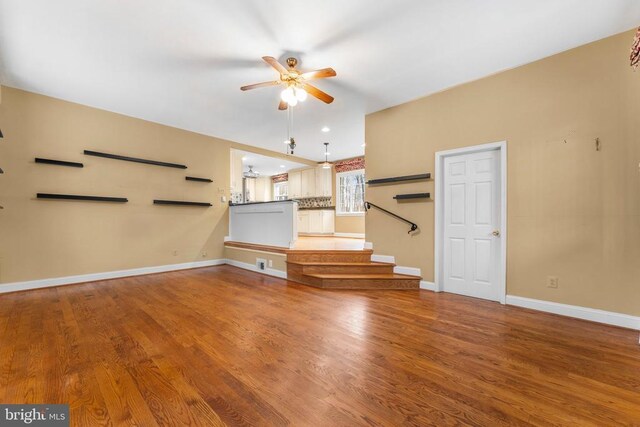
x=267 y=166
x=181 y=62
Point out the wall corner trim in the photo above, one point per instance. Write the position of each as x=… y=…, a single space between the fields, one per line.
x=93 y=277
x=585 y=313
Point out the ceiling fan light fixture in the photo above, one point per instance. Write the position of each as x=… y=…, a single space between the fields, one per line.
x=287 y=94
x=301 y=94
x=326 y=165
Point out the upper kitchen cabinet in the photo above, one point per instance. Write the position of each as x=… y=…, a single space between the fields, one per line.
x=295 y=184
x=324 y=185
x=308 y=182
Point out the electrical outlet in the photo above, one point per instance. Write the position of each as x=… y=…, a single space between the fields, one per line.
x=204 y=254
x=175 y=253
x=270 y=263
x=552 y=282
x=261 y=263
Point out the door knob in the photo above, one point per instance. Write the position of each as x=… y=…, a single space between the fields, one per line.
x=496 y=233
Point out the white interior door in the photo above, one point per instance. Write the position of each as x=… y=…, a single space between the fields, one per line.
x=472 y=224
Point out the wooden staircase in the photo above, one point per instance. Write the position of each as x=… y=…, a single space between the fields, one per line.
x=345 y=269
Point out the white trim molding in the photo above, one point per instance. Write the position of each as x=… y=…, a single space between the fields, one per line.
x=429 y=286
x=383 y=258
x=398 y=269
x=93 y=277
x=251 y=267
x=585 y=313
x=351 y=235
x=439 y=212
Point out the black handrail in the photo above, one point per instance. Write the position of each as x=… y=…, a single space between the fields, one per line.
x=414 y=226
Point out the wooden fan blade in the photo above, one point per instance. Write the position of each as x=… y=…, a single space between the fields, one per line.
x=275 y=64
x=319 y=74
x=283 y=105
x=257 y=85
x=314 y=91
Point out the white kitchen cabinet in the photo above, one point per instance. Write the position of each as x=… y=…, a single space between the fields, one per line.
x=303 y=222
x=295 y=185
x=324 y=185
x=328 y=222
x=316 y=221
x=308 y=182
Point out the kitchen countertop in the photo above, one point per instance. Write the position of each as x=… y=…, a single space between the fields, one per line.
x=259 y=203
x=324 y=208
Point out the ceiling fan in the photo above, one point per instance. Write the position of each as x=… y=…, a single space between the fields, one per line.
x=295 y=82
x=250 y=173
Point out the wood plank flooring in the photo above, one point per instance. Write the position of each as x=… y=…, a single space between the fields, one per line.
x=221 y=345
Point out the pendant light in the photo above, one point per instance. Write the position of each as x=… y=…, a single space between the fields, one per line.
x=326 y=164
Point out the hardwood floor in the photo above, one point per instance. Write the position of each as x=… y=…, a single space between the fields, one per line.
x=221 y=345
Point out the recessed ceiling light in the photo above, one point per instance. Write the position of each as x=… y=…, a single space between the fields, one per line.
x=328 y=154
x=325 y=129
x=286 y=141
x=281 y=166
x=363 y=145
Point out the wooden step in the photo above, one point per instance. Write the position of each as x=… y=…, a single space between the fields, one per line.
x=309 y=267
x=358 y=281
x=345 y=256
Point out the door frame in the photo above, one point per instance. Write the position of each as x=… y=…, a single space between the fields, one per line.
x=501 y=146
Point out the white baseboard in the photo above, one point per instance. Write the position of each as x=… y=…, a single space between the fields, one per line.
x=592 y=314
x=429 y=286
x=383 y=258
x=354 y=235
x=251 y=267
x=368 y=245
x=398 y=269
x=92 y=277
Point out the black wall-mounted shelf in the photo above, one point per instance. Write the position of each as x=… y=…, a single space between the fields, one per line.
x=134 y=159
x=59 y=162
x=400 y=179
x=193 y=178
x=180 y=203
x=412 y=196
x=75 y=197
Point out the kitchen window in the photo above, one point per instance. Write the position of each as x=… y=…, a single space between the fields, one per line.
x=350 y=193
x=280 y=190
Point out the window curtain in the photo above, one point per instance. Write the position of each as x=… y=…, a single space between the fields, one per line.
x=280 y=178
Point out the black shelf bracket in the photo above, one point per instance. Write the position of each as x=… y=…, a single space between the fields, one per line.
x=181 y=203
x=134 y=159
x=412 y=196
x=414 y=226
x=75 y=197
x=59 y=162
x=395 y=179
x=193 y=178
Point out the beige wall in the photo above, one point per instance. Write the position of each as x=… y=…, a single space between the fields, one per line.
x=44 y=239
x=573 y=212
